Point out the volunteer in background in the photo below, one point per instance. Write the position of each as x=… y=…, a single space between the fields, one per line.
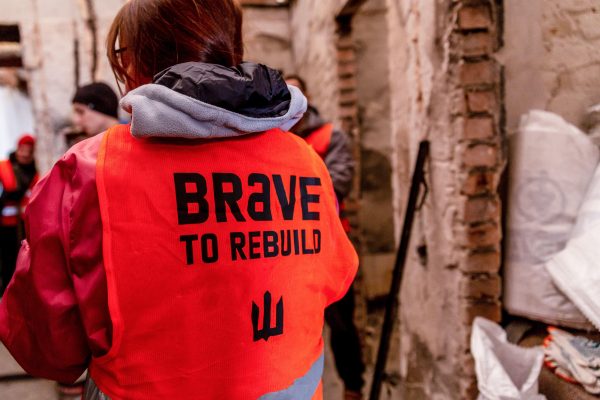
x=191 y=254
x=333 y=146
x=18 y=175
x=95 y=109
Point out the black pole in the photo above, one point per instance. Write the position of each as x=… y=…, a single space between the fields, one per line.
x=391 y=307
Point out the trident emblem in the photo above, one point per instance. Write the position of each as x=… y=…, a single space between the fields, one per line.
x=267 y=330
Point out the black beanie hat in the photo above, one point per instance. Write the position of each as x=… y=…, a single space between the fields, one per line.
x=99 y=97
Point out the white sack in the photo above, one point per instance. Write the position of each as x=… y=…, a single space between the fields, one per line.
x=551 y=163
x=576 y=269
x=504 y=371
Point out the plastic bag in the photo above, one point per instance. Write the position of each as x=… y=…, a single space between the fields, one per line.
x=504 y=371
x=551 y=165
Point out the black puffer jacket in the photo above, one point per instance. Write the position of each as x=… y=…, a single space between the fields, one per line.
x=338 y=159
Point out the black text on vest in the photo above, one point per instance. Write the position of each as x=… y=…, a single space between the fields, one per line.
x=228 y=189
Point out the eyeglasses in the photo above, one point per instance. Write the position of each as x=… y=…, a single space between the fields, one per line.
x=118 y=52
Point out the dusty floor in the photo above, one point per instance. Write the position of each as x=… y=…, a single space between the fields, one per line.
x=22 y=390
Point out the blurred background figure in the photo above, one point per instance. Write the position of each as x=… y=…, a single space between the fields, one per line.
x=95 y=109
x=333 y=146
x=18 y=175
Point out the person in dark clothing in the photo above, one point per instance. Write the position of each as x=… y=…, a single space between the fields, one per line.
x=18 y=174
x=334 y=148
x=95 y=109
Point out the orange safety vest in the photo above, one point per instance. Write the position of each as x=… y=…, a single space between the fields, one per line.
x=320 y=139
x=220 y=256
x=13 y=211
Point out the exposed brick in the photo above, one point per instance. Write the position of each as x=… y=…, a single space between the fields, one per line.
x=348 y=97
x=474 y=18
x=458 y=106
x=476 y=287
x=347 y=70
x=477 y=44
x=482 y=101
x=348 y=84
x=480 y=182
x=345 y=42
x=481 y=235
x=479 y=73
x=481 y=262
x=348 y=111
x=346 y=56
x=480 y=209
x=471 y=309
x=480 y=155
x=489 y=310
x=479 y=128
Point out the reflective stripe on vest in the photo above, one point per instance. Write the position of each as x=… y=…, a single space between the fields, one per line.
x=320 y=139
x=10 y=214
x=303 y=388
x=218 y=270
x=10 y=211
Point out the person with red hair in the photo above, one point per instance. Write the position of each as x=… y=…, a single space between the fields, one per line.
x=18 y=175
x=190 y=254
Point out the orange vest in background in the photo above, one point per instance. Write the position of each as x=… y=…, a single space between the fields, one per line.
x=221 y=256
x=320 y=139
x=12 y=211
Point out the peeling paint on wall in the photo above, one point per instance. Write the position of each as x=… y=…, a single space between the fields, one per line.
x=558 y=67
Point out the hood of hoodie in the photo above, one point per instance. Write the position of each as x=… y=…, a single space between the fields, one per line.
x=202 y=101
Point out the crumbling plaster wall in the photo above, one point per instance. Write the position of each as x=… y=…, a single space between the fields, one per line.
x=49 y=30
x=551 y=57
x=430 y=351
x=314 y=50
x=446 y=87
x=267 y=37
x=370 y=33
x=442 y=86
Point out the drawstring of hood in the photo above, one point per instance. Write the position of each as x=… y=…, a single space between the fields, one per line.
x=203 y=101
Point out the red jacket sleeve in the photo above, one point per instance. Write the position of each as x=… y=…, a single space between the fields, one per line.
x=54 y=316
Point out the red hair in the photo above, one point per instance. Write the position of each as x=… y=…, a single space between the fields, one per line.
x=157 y=34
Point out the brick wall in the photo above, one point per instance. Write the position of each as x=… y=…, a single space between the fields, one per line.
x=452 y=94
x=445 y=85
x=479 y=135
